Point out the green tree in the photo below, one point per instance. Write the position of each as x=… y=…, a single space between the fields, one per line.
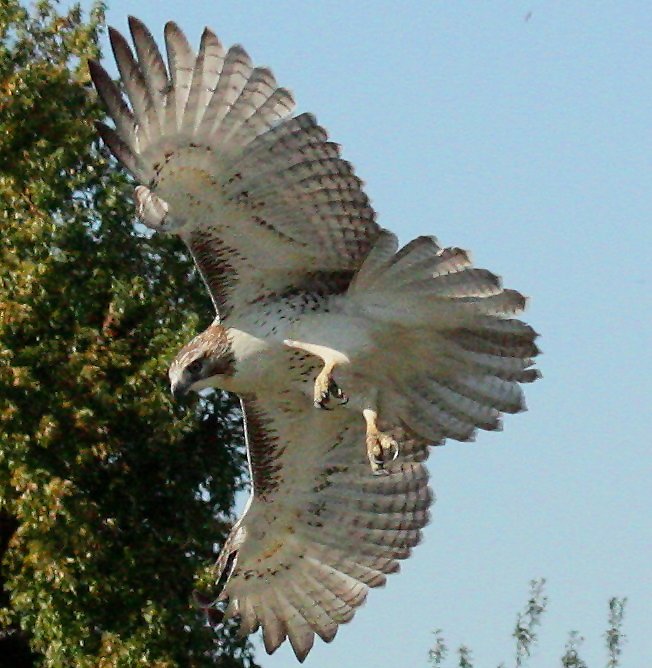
x=111 y=498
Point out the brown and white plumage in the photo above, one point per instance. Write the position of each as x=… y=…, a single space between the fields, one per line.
x=262 y=199
x=320 y=530
x=425 y=345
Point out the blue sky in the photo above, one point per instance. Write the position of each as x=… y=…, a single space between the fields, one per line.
x=523 y=132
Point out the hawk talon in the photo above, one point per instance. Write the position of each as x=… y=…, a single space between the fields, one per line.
x=326 y=389
x=382 y=449
x=335 y=391
x=322 y=403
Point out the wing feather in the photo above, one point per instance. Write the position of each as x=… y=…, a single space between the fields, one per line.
x=120 y=149
x=258 y=88
x=301 y=599
x=135 y=85
x=248 y=618
x=299 y=632
x=338 y=609
x=125 y=131
x=212 y=140
x=233 y=78
x=152 y=67
x=181 y=62
x=275 y=108
x=273 y=616
x=316 y=535
x=205 y=75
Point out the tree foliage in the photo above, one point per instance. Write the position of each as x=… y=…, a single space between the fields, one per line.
x=111 y=498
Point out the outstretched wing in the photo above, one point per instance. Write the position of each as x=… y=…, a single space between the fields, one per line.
x=263 y=200
x=319 y=530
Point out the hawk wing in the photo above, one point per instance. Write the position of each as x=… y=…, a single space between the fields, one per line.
x=262 y=199
x=319 y=531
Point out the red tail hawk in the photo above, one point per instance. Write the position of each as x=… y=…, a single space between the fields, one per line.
x=317 y=308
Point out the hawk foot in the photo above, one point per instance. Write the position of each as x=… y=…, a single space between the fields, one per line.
x=381 y=450
x=327 y=389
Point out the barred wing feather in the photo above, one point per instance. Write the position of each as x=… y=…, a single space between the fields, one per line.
x=262 y=198
x=319 y=531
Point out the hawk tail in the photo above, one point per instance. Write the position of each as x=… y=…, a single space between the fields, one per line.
x=454 y=354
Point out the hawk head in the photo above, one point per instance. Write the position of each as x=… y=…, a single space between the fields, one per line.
x=200 y=363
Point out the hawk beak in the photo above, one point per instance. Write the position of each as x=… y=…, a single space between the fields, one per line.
x=179 y=391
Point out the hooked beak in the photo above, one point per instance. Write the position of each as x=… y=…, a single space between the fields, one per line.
x=179 y=390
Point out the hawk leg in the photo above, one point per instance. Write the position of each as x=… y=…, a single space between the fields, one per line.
x=381 y=447
x=325 y=387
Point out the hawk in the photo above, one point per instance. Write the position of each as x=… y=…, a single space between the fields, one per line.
x=350 y=356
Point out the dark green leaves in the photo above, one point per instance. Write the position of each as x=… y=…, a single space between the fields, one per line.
x=111 y=497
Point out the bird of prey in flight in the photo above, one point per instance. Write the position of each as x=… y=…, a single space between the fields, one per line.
x=350 y=356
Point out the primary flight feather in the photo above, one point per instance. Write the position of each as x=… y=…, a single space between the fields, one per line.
x=317 y=308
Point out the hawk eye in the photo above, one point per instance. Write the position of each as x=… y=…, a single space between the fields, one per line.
x=195 y=366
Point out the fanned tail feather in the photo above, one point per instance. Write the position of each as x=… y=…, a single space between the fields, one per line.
x=467 y=353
